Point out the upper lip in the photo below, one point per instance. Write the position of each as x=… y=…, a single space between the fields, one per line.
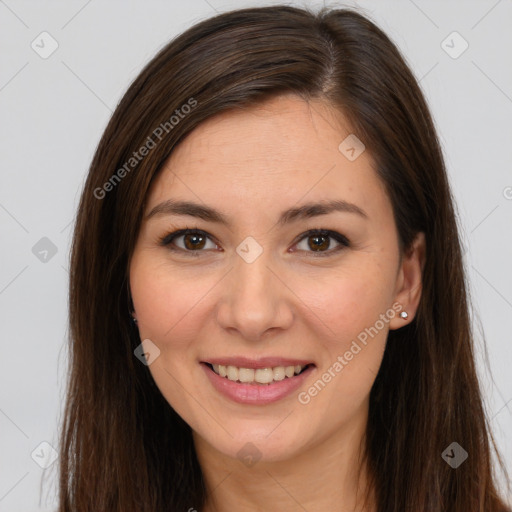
x=262 y=362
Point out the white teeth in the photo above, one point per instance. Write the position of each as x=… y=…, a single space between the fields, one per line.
x=260 y=375
x=279 y=373
x=264 y=375
x=232 y=372
x=245 y=374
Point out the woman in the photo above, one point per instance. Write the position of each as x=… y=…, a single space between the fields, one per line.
x=268 y=305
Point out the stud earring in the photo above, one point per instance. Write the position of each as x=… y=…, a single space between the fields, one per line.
x=404 y=315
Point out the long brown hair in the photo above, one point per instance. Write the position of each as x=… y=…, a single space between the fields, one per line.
x=123 y=448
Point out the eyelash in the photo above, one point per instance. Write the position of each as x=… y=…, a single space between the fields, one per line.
x=167 y=240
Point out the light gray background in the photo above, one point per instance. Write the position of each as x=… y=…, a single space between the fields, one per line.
x=54 y=110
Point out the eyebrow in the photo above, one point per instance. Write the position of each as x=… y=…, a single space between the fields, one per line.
x=207 y=213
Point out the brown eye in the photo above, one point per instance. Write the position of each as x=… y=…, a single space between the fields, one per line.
x=188 y=240
x=320 y=241
x=316 y=241
x=194 y=241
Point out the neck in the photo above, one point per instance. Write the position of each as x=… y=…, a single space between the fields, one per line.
x=322 y=477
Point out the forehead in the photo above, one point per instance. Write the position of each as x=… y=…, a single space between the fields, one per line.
x=279 y=152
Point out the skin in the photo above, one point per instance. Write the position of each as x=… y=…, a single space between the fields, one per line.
x=251 y=165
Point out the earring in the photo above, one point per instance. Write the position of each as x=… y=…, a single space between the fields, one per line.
x=404 y=315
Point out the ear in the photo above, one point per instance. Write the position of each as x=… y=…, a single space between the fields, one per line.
x=131 y=309
x=409 y=282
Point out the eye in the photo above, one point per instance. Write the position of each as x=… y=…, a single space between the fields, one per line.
x=193 y=241
x=319 y=241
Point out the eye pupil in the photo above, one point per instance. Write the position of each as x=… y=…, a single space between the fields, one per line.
x=194 y=244
x=319 y=245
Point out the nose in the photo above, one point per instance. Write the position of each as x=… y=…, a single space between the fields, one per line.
x=255 y=299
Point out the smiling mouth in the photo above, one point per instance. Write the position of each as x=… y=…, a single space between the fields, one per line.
x=259 y=376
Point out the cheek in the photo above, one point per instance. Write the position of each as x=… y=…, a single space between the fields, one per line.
x=164 y=299
x=168 y=305
x=351 y=322
x=346 y=303
x=352 y=349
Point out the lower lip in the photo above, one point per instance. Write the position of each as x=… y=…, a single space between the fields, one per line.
x=256 y=394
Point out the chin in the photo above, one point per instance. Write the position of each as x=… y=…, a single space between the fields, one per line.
x=262 y=443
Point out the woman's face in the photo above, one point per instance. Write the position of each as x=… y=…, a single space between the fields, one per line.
x=257 y=292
